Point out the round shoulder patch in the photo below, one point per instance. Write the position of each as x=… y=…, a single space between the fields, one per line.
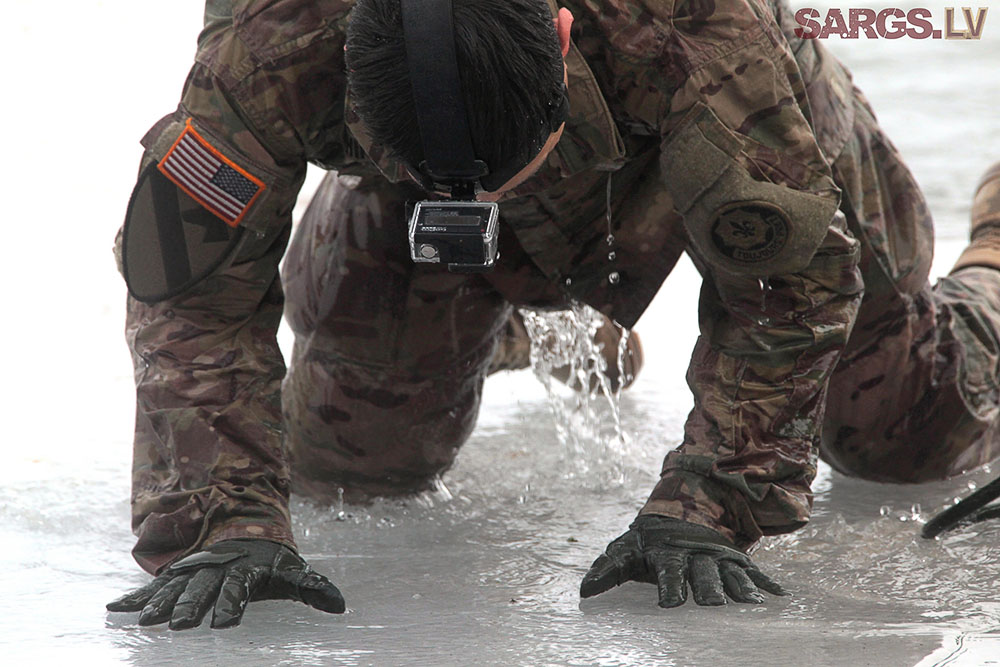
x=750 y=232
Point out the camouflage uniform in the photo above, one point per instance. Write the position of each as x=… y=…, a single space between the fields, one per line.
x=676 y=109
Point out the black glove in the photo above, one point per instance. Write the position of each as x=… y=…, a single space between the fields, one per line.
x=229 y=574
x=672 y=554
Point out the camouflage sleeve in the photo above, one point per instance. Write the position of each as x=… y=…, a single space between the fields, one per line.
x=265 y=93
x=781 y=288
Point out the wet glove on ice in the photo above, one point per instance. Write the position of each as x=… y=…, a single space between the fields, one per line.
x=673 y=554
x=228 y=575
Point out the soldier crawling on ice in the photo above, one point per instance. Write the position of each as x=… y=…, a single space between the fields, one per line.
x=699 y=127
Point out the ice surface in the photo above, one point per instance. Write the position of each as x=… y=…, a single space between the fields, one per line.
x=486 y=571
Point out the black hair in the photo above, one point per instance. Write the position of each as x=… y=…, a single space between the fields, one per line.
x=509 y=62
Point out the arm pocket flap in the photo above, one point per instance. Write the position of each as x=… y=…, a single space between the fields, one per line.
x=692 y=163
x=738 y=224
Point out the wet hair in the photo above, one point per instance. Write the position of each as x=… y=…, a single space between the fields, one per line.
x=509 y=62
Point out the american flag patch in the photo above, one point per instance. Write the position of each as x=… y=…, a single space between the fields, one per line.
x=209 y=177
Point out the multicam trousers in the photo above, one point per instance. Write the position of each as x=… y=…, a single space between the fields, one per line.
x=390 y=356
x=916 y=396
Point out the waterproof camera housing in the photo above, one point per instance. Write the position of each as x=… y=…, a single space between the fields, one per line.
x=459 y=234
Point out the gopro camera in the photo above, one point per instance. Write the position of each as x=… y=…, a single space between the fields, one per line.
x=459 y=234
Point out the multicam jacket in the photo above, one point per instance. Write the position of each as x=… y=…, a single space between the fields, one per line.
x=710 y=115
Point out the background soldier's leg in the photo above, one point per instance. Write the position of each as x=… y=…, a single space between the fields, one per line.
x=390 y=356
x=915 y=396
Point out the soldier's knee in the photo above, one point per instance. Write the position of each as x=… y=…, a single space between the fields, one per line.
x=356 y=431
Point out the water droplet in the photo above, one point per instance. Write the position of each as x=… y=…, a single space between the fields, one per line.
x=340 y=515
x=610 y=239
x=612 y=256
x=765 y=288
x=915 y=510
x=569 y=281
x=884 y=510
x=614 y=278
x=972 y=486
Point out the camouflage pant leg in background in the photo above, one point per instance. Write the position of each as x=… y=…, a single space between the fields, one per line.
x=390 y=356
x=916 y=395
x=921 y=402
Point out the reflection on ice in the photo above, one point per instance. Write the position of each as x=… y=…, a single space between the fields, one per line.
x=489 y=569
x=965 y=649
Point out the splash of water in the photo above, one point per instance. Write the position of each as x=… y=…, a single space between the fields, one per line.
x=588 y=422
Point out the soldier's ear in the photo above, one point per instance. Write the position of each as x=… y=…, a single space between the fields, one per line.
x=564 y=21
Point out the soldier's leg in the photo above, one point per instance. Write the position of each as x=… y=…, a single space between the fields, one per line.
x=915 y=396
x=390 y=356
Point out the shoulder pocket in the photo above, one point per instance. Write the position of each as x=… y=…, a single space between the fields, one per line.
x=740 y=224
x=194 y=201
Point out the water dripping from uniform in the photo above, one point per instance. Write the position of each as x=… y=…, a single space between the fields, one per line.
x=765 y=288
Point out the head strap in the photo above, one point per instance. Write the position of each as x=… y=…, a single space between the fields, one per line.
x=429 y=37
